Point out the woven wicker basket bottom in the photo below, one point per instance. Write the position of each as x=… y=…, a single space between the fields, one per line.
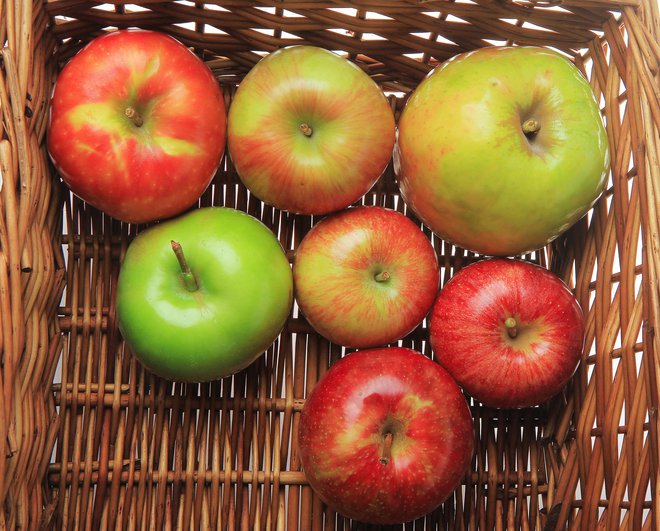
x=90 y=439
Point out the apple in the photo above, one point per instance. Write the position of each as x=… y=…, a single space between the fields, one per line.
x=201 y=296
x=510 y=332
x=308 y=131
x=365 y=276
x=385 y=436
x=502 y=149
x=137 y=125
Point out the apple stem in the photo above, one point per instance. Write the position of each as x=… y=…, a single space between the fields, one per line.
x=386 y=454
x=511 y=327
x=188 y=277
x=382 y=276
x=135 y=117
x=305 y=129
x=531 y=127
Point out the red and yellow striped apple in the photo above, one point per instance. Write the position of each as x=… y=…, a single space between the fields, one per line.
x=137 y=125
x=309 y=131
x=385 y=436
x=365 y=276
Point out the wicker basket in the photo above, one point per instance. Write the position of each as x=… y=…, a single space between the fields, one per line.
x=91 y=440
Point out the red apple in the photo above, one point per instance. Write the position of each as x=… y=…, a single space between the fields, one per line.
x=308 y=131
x=137 y=126
x=511 y=333
x=365 y=277
x=385 y=436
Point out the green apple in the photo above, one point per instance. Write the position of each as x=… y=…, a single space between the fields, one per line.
x=201 y=296
x=502 y=149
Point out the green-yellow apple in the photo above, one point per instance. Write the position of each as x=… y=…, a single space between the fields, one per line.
x=365 y=276
x=385 y=436
x=511 y=333
x=137 y=125
x=201 y=296
x=502 y=149
x=308 y=131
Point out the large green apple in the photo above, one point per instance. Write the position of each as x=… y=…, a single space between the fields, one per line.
x=502 y=149
x=201 y=296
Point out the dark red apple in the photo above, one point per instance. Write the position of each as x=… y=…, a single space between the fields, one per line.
x=385 y=436
x=510 y=332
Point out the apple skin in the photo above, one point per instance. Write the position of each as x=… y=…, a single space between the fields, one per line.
x=468 y=170
x=470 y=338
x=365 y=276
x=343 y=432
x=137 y=173
x=244 y=296
x=352 y=131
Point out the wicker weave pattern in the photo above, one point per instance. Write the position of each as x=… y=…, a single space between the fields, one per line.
x=133 y=451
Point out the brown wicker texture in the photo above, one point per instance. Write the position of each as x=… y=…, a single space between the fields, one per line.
x=111 y=446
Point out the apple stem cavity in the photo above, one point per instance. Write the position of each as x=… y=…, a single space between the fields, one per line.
x=531 y=127
x=511 y=327
x=382 y=276
x=386 y=453
x=135 y=117
x=305 y=129
x=188 y=277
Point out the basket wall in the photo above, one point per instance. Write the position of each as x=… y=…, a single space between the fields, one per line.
x=109 y=445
